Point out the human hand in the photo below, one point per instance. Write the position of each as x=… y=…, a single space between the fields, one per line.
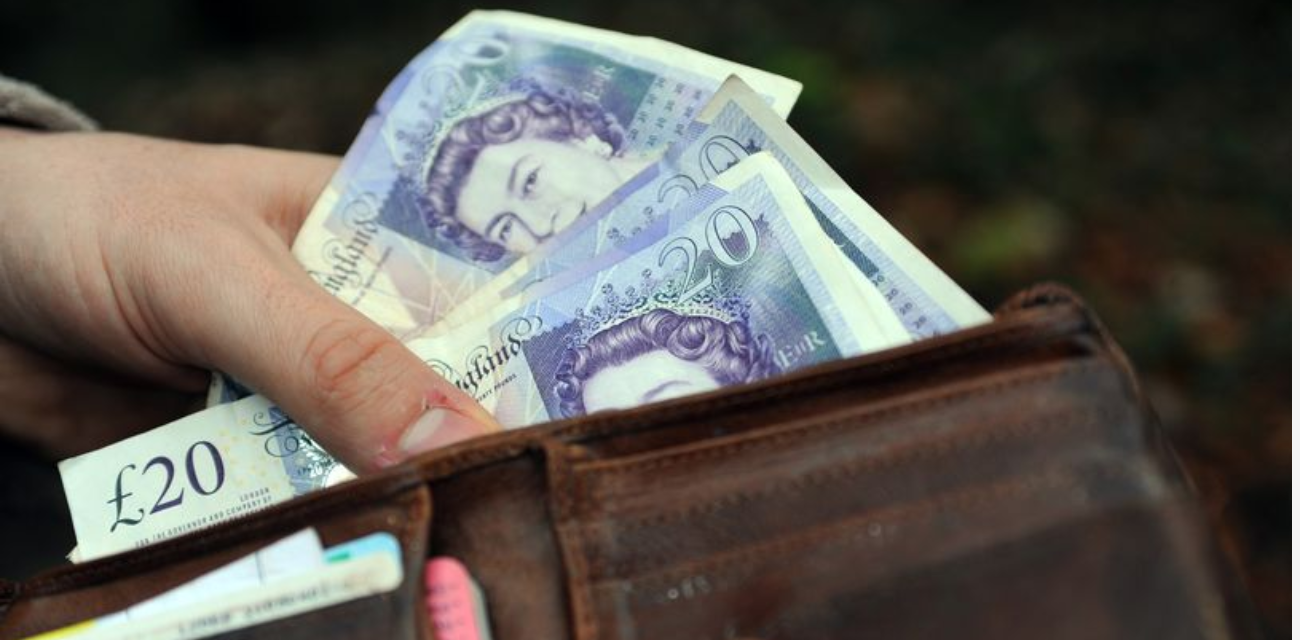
x=160 y=260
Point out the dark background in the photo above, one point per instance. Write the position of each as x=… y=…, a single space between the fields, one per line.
x=1137 y=151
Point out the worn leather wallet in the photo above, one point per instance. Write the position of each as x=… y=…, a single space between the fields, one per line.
x=1004 y=481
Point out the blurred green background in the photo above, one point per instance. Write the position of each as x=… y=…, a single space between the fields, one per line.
x=1136 y=151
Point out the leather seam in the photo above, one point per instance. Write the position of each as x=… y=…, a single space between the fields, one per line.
x=873 y=462
x=569 y=537
x=410 y=531
x=962 y=501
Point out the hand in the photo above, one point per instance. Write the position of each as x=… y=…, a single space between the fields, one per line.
x=160 y=260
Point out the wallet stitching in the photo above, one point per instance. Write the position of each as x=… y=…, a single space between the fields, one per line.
x=570 y=536
x=873 y=462
x=779 y=438
x=967 y=500
x=409 y=532
x=853 y=468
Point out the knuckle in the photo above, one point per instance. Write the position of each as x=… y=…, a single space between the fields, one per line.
x=348 y=360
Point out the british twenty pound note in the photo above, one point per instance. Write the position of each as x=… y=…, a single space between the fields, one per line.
x=732 y=126
x=208 y=467
x=504 y=131
x=746 y=287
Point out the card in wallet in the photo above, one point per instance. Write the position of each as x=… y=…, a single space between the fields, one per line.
x=1004 y=481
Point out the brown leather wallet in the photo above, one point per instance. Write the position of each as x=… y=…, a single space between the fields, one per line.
x=1008 y=480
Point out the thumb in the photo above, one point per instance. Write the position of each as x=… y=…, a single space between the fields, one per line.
x=353 y=386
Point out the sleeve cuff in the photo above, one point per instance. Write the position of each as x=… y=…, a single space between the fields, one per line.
x=26 y=105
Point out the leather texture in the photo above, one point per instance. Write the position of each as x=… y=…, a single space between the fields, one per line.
x=1004 y=481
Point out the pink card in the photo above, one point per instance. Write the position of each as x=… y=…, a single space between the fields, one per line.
x=455 y=602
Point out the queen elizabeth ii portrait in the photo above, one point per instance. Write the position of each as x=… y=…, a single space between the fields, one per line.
x=659 y=355
x=504 y=180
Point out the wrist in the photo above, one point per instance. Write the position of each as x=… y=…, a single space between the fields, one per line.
x=9 y=132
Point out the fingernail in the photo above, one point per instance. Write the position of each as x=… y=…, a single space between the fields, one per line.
x=437 y=427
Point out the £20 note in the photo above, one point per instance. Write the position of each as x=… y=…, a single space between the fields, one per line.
x=221 y=463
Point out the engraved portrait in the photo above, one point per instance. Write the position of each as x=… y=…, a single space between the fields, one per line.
x=503 y=180
x=658 y=355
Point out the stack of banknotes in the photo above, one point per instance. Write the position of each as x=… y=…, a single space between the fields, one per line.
x=559 y=220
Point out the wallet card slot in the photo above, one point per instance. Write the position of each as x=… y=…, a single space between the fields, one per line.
x=386 y=615
x=822 y=582
x=114 y=583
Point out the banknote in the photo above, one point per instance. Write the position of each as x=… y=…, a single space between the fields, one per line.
x=500 y=134
x=223 y=388
x=214 y=465
x=734 y=124
x=745 y=287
